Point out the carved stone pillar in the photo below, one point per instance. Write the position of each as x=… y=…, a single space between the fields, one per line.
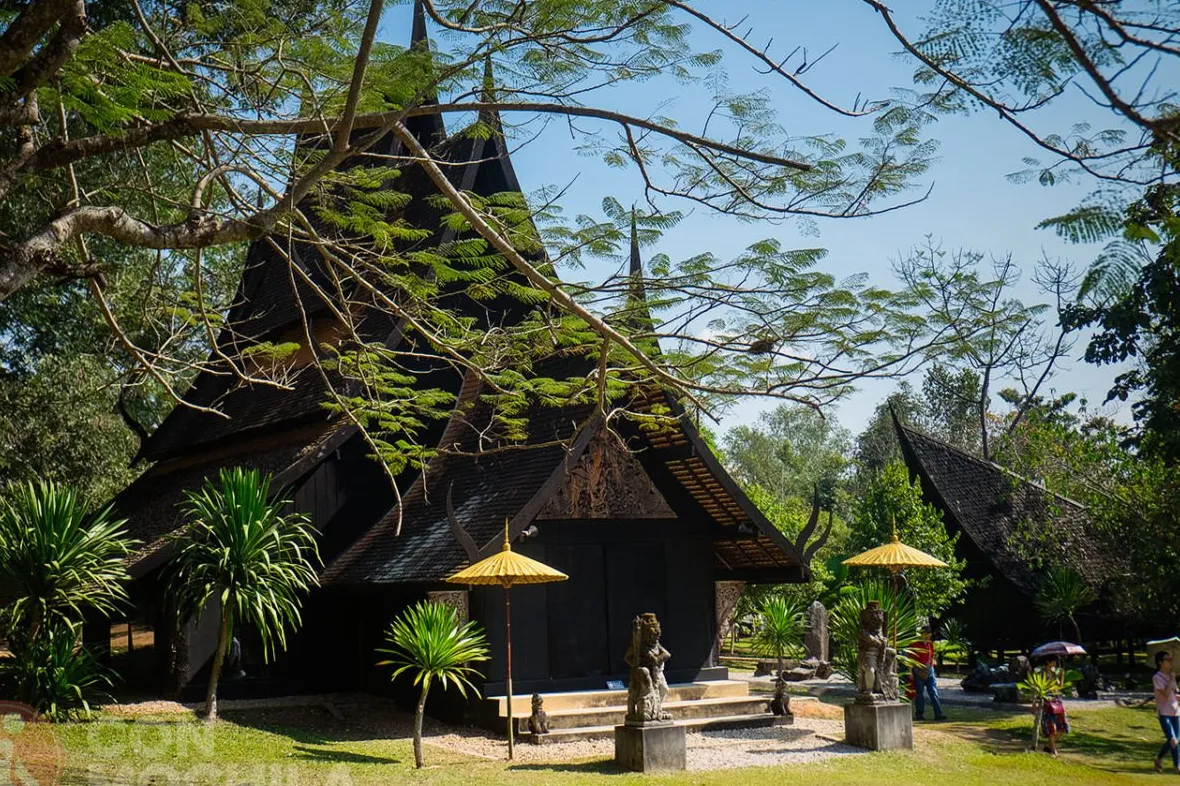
x=726 y=595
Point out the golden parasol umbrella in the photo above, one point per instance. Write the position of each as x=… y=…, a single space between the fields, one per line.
x=505 y=569
x=894 y=555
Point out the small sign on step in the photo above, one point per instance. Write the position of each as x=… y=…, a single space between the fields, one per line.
x=614 y=685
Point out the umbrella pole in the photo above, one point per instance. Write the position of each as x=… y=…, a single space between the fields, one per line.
x=508 y=640
x=893 y=613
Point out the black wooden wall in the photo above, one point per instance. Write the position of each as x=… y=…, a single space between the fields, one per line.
x=572 y=635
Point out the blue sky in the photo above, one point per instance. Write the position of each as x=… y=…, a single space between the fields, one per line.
x=973 y=204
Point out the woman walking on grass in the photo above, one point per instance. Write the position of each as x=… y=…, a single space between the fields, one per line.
x=1168 y=709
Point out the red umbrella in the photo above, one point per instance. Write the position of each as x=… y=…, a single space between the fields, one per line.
x=1059 y=649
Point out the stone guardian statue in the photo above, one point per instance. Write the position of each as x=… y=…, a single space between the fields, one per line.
x=876 y=673
x=646 y=657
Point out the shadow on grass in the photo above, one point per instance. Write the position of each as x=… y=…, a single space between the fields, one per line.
x=1111 y=749
x=597 y=767
x=325 y=755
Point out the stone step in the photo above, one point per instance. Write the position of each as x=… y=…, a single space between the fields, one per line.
x=496 y=706
x=679 y=710
x=606 y=732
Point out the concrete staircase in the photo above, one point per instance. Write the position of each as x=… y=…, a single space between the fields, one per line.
x=590 y=715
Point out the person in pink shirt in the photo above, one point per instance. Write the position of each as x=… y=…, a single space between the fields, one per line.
x=1168 y=709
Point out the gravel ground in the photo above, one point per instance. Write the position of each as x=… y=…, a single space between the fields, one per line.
x=815 y=735
x=808 y=740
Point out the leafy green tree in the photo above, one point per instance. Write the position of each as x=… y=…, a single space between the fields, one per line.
x=244 y=551
x=57 y=563
x=58 y=422
x=1040 y=687
x=946 y=408
x=951 y=401
x=1061 y=595
x=55 y=676
x=953 y=641
x=429 y=641
x=791 y=451
x=151 y=147
x=1012 y=59
x=57 y=560
x=790 y=515
x=876 y=445
x=780 y=627
x=1142 y=325
x=892 y=500
x=990 y=334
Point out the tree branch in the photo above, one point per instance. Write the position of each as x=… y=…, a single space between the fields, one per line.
x=27 y=29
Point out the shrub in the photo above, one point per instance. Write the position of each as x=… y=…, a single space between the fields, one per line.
x=429 y=641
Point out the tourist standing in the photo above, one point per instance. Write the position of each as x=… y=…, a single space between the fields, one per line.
x=1168 y=709
x=924 y=680
x=1053 y=720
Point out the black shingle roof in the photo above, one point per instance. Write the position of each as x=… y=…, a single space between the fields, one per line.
x=515 y=484
x=1020 y=526
x=272 y=302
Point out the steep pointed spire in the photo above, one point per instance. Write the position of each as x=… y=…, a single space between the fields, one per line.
x=487 y=95
x=418 y=37
x=636 y=293
x=638 y=314
x=429 y=129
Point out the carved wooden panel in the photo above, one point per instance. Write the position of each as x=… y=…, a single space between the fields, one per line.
x=456 y=598
x=607 y=483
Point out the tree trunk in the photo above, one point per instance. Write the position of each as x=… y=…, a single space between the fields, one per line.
x=1077 y=632
x=778 y=675
x=1037 y=725
x=418 y=761
x=983 y=442
x=218 y=660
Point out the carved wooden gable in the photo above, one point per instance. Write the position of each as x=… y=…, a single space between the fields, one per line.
x=607 y=483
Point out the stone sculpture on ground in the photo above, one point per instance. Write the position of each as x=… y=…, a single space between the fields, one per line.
x=539 y=719
x=876 y=672
x=648 y=739
x=815 y=640
x=646 y=657
x=780 y=705
x=876 y=719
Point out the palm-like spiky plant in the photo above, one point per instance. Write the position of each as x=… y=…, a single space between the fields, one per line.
x=240 y=548
x=954 y=637
x=57 y=561
x=1061 y=595
x=780 y=628
x=429 y=640
x=1041 y=687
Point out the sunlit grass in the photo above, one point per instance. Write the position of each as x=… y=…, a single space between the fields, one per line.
x=307 y=747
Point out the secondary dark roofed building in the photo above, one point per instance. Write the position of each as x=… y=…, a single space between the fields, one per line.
x=1012 y=530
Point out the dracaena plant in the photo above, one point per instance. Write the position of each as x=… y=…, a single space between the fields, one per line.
x=429 y=641
x=245 y=551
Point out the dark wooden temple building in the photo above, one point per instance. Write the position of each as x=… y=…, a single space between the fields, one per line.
x=1011 y=530
x=641 y=520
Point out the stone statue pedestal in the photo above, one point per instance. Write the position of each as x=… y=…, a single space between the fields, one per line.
x=879 y=726
x=650 y=746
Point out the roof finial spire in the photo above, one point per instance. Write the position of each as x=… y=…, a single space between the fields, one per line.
x=418 y=39
x=636 y=263
x=487 y=93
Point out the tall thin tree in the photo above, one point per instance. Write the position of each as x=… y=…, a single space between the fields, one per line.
x=244 y=552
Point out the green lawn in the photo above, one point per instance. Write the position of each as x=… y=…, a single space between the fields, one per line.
x=309 y=748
